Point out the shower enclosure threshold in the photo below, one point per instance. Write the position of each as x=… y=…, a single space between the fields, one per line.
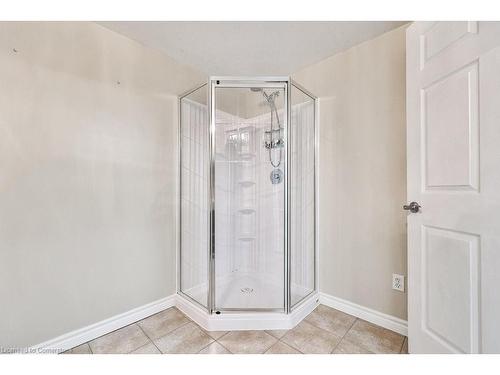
x=241 y=321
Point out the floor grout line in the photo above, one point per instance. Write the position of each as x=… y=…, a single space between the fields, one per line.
x=217 y=341
x=256 y=353
x=206 y=346
x=202 y=329
x=150 y=339
x=345 y=334
x=301 y=352
x=149 y=342
x=274 y=343
x=109 y=333
x=175 y=329
x=222 y=336
x=271 y=346
x=403 y=345
x=182 y=325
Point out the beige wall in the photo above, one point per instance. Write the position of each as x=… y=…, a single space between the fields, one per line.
x=87 y=177
x=362 y=171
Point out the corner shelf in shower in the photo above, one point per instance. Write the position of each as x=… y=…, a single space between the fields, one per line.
x=246 y=156
x=246 y=211
x=243 y=158
x=246 y=238
x=246 y=183
x=243 y=162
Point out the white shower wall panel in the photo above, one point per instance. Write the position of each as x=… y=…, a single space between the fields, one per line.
x=194 y=200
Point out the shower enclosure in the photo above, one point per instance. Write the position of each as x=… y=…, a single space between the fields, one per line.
x=247 y=196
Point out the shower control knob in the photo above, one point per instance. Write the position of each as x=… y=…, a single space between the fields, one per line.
x=276 y=176
x=280 y=142
x=413 y=207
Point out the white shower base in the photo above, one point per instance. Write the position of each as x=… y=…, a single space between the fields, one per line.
x=248 y=291
x=238 y=321
x=242 y=291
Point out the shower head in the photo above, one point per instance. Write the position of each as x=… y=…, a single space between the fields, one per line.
x=269 y=97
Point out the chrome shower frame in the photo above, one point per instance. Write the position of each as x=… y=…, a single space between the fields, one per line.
x=277 y=82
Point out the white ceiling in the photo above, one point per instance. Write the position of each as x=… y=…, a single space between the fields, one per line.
x=251 y=48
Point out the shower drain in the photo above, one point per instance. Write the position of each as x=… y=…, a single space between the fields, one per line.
x=246 y=290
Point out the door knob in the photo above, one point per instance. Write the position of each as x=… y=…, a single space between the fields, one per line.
x=413 y=207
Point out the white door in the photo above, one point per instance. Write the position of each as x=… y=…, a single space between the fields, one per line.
x=453 y=136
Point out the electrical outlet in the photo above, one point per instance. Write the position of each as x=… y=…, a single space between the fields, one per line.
x=398 y=282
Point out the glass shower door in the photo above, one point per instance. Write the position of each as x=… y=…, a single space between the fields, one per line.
x=249 y=193
x=194 y=205
x=302 y=195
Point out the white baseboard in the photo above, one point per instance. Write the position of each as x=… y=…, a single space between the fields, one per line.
x=71 y=339
x=234 y=321
x=192 y=311
x=381 y=319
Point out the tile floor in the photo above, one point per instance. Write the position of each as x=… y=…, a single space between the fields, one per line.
x=325 y=330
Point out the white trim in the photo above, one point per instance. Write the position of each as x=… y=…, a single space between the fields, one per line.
x=376 y=317
x=250 y=79
x=246 y=321
x=303 y=309
x=85 y=334
x=193 y=311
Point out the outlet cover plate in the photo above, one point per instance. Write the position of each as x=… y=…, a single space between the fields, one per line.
x=398 y=282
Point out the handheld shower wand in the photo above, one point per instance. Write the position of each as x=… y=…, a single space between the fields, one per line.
x=272 y=143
